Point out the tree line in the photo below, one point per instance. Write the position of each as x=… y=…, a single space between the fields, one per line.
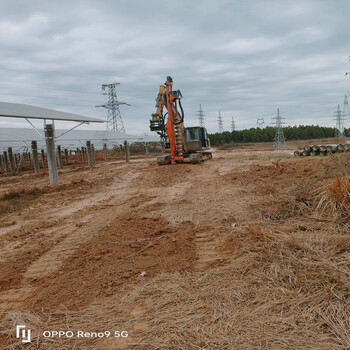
x=300 y=132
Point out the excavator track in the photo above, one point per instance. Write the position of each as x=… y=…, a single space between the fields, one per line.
x=196 y=158
x=163 y=160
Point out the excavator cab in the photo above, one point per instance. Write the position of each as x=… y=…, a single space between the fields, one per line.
x=196 y=139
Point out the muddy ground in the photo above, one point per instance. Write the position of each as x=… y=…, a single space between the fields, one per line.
x=102 y=249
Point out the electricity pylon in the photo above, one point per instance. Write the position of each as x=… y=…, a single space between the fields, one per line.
x=346 y=111
x=201 y=115
x=220 y=123
x=233 y=125
x=339 y=120
x=260 y=122
x=114 y=117
x=280 y=141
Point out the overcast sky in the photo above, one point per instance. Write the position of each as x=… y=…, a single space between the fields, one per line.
x=243 y=58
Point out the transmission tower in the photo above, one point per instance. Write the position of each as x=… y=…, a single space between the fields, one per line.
x=339 y=120
x=280 y=141
x=260 y=122
x=114 y=117
x=346 y=111
x=233 y=125
x=201 y=115
x=220 y=123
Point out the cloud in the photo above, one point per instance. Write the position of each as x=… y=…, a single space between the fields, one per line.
x=248 y=46
x=245 y=59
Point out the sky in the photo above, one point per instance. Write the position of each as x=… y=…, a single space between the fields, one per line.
x=242 y=58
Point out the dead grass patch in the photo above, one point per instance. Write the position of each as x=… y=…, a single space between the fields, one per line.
x=279 y=291
x=25 y=193
x=17 y=199
x=335 y=200
x=284 y=284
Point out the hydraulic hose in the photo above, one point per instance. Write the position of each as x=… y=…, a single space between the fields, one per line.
x=182 y=114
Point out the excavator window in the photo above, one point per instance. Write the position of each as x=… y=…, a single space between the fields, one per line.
x=192 y=134
x=203 y=137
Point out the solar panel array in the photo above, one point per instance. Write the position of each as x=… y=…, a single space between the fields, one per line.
x=18 y=110
x=20 y=138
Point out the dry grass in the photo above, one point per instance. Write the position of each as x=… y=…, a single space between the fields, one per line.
x=335 y=200
x=6 y=207
x=25 y=193
x=285 y=286
x=15 y=200
x=279 y=291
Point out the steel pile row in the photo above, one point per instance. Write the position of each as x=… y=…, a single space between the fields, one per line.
x=314 y=150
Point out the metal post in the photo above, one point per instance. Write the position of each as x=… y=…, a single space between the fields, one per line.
x=29 y=159
x=83 y=155
x=93 y=152
x=2 y=162
x=59 y=156
x=16 y=160
x=105 y=157
x=20 y=161
x=43 y=158
x=51 y=154
x=11 y=159
x=147 y=152
x=89 y=154
x=66 y=155
x=127 y=152
x=6 y=164
x=35 y=157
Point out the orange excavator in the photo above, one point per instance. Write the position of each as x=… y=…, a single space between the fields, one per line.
x=184 y=144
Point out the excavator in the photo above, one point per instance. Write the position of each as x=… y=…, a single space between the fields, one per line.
x=184 y=144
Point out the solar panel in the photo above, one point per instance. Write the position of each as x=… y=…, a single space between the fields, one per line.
x=21 y=137
x=17 y=110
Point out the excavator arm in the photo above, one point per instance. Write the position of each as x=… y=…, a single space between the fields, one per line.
x=172 y=129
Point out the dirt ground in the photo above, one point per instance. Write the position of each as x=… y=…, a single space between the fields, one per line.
x=246 y=251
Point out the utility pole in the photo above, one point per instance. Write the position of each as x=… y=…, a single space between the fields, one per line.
x=201 y=115
x=114 y=117
x=280 y=141
x=260 y=122
x=233 y=125
x=220 y=123
x=339 y=120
